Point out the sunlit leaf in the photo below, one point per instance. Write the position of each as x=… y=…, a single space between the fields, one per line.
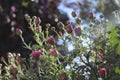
x=113 y=38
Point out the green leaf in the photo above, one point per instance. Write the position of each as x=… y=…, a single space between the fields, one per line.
x=117 y=70
x=114 y=38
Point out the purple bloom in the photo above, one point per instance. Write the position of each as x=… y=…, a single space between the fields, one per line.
x=35 y=54
x=102 y=72
x=50 y=40
x=69 y=28
x=77 y=31
x=53 y=51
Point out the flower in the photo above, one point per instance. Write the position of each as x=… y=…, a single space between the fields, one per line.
x=69 y=28
x=13 y=9
x=50 y=40
x=37 y=20
x=38 y=28
x=14 y=70
x=13 y=79
x=73 y=14
x=10 y=54
x=90 y=14
x=35 y=54
x=18 y=31
x=53 y=51
x=63 y=76
x=78 y=20
x=102 y=72
x=101 y=54
x=27 y=17
x=19 y=59
x=1 y=58
x=77 y=31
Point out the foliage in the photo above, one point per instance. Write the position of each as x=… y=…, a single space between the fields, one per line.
x=92 y=46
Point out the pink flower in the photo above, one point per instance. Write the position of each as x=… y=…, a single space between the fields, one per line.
x=35 y=54
x=18 y=31
x=69 y=28
x=73 y=14
x=14 y=70
x=63 y=76
x=50 y=40
x=53 y=51
x=102 y=72
x=77 y=31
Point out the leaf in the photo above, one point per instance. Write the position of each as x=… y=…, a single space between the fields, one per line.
x=114 y=38
x=25 y=3
x=117 y=70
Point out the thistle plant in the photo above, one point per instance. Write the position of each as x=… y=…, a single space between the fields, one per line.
x=93 y=48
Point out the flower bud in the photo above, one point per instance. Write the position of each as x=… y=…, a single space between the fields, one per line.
x=14 y=70
x=63 y=76
x=90 y=14
x=102 y=72
x=18 y=31
x=10 y=54
x=73 y=14
x=13 y=9
x=38 y=28
x=35 y=54
x=1 y=58
x=77 y=31
x=13 y=79
x=53 y=51
x=37 y=20
x=50 y=40
x=69 y=28
x=27 y=17
x=101 y=54
x=19 y=59
x=60 y=24
x=78 y=20
x=48 y=25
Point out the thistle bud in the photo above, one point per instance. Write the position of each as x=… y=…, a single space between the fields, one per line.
x=78 y=20
x=102 y=72
x=38 y=28
x=53 y=51
x=77 y=31
x=18 y=31
x=69 y=28
x=35 y=54
x=73 y=14
x=50 y=40
x=90 y=14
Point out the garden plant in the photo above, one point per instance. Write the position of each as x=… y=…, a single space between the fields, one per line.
x=96 y=48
